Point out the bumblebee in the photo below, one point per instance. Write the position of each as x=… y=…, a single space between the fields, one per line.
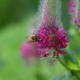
x=32 y=38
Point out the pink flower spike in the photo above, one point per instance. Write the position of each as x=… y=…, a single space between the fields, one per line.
x=56 y=39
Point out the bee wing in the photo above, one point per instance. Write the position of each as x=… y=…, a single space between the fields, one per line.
x=27 y=41
x=34 y=32
x=27 y=37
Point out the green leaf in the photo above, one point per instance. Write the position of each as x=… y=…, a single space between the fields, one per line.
x=64 y=76
x=69 y=74
x=68 y=61
x=76 y=73
x=59 y=77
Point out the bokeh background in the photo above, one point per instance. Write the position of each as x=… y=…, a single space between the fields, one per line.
x=14 y=26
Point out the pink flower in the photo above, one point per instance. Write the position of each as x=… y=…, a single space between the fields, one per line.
x=29 y=51
x=74 y=12
x=51 y=40
x=71 y=9
x=71 y=6
x=77 y=22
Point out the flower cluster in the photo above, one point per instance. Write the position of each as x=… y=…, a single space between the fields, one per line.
x=51 y=40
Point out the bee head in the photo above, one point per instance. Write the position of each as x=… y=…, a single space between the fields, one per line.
x=33 y=37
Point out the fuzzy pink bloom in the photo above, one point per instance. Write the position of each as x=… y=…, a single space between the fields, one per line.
x=51 y=38
x=29 y=51
x=71 y=6
x=75 y=14
x=77 y=22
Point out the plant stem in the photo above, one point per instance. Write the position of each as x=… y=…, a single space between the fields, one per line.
x=68 y=68
x=62 y=63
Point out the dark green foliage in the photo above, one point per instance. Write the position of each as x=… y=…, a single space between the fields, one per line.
x=15 y=10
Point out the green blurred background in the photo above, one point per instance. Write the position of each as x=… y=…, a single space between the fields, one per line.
x=14 y=19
